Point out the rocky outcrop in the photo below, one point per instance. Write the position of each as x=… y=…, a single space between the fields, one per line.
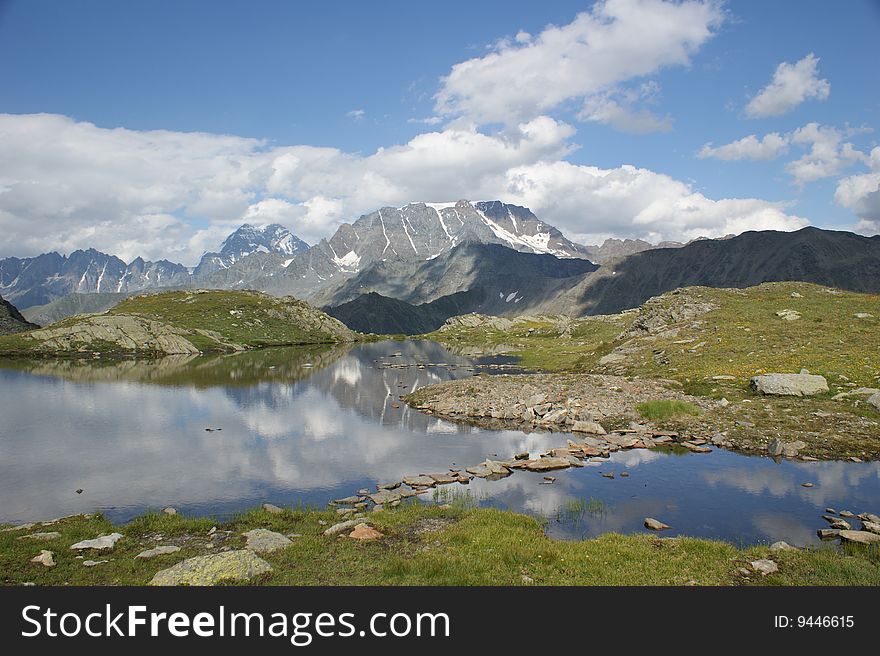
x=239 y=565
x=789 y=384
x=11 y=320
x=188 y=323
x=560 y=402
x=125 y=332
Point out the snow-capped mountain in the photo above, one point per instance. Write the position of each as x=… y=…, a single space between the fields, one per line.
x=39 y=280
x=422 y=231
x=248 y=240
x=274 y=260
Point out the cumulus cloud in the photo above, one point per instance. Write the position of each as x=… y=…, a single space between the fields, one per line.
x=617 y=108
x=67 y=184
x=861 y=194
x=826 y=156
x=792 y=84
x=616 y=41
x=356 y=114
x=592 y=203
x=770 y=146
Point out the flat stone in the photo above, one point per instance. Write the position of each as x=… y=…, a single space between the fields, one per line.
x=45 y=558
x=263 y=540
x=871 y=527
x=547 y=464
x=270 y=508
x=20 y=527
x=827 y=533
x=94 y=563
x=847 y=513
x=419 y=481
x=343 y=526
x=365 y=532
x=765 y=566
x=100 y=542
x=841 y=525
x=593 y=427
x=782 y=546
x=158 y=551
x=384 y=496
x=51 y=535
x=860 y=537
x=655 y=525
x=238 y=565
x=444 y=479
x=789 y=384
x=347 y=501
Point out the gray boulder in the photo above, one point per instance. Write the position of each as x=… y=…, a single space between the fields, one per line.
x=239 y=565
x=874 y=400
x=789 y=384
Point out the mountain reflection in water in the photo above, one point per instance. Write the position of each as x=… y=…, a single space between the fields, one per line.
x=306 y=425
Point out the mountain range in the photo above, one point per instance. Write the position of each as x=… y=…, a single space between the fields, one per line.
x=407 y=269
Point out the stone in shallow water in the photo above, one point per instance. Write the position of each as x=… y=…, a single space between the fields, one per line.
x=860 y=537
x=45 y=558
x=547 y=464
x=419 y=481
x=263 y=540
x=158 y=551
x=655 y=525
x=239 y=565
x=100 y=542
x=384 y=496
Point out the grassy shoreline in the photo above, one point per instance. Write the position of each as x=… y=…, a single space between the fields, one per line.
x=455 y=544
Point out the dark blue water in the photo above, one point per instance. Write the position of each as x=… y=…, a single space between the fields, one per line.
x=307 y=426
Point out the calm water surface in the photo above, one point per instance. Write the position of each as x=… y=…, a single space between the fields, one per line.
x=311 y=425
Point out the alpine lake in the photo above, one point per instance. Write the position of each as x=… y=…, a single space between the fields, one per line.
x=215 y=435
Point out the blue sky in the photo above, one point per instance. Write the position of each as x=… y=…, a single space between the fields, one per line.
x=357 y=78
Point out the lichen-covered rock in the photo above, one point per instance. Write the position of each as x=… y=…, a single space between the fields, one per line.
x=789 y=384
x=263 y=540
x=240 y=565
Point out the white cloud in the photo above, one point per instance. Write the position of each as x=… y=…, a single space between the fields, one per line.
x=591 y=203
x=616 y=41
x=826 y=157
x=770 y=146
x=67 y=185
x=356 y=114
x=792 y=84
x=617 y=108
x=861 y=194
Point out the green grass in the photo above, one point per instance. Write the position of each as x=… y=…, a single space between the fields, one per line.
x=661 y=409
x=426 y=545
x=211 y=321
x=540 y=343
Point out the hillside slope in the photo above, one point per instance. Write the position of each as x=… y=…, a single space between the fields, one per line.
x=185 y=322
x=843 y=260
x=11 y=320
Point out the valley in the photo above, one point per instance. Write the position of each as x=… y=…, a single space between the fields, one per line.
x=468 y=365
